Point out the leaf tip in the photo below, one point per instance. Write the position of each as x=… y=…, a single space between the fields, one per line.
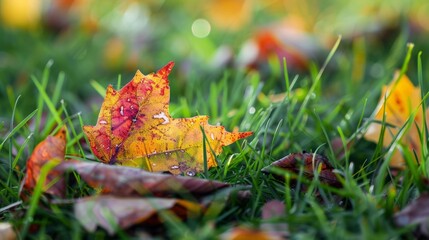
x=245 y=134
x=165 y=71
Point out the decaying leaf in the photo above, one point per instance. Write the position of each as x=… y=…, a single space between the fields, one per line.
x=310 y=163
x=6 y=231
x=134 y=128
x=272 y=211
x=113 y=213
x=397 y=102
x=127 y=181
x=416 y=212
x=245 y=233
x=53 y=147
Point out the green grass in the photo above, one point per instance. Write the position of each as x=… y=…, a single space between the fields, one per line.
x=316 y=109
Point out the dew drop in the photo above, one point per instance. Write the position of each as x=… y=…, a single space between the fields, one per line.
x=29 y=220
x=134 y=120
x=252 y=110
x=128 y=99
x=153 y=164
x=104 y=122
x=174 y=167
x=190 y=173
x=122 y=111
x=163 y=117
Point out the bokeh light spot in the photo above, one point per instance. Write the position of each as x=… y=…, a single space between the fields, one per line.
x=201 y=28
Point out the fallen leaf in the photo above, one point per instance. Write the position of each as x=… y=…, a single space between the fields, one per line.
x=53 y=147
x=397 y=102
x=284 y=39
x=416 y=212
x=128 y=181
x=272 y=211
x=134 y=128
x=6 y=231
x=245 y=233
x=113 y=213
x=310 y=163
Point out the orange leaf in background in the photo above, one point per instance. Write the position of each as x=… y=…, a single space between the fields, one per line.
x=228 y=14
x=134 y=128
x=53 y=147
x=397 y=102
x=280 y=41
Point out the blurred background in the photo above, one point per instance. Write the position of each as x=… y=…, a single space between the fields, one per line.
x=87 y=41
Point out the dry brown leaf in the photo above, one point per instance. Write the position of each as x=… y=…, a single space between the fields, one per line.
x=6 y=231
x=310 y=163
x=128 y=181
x=272 y=212
x=53 y=147
x=113 y=213
x=417 y=212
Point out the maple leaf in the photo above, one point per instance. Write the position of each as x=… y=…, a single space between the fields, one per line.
x=397 y=103
x=53 y=147
x=134 y=128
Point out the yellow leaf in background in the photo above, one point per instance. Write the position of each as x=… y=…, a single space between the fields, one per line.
x=23 y=14
x=398 y=101
x=228 y=14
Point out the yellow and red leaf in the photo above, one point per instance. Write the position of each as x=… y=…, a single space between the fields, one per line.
x=134 y=128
